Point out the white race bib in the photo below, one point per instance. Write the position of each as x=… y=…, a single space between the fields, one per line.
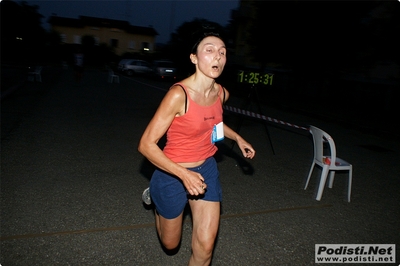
x=218 y=132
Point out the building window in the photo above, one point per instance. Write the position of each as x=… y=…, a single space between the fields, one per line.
x=96 y=41
x=131 y=45
x=114 y=43
x=77 y=39
x=63 y=38
x=145 y=46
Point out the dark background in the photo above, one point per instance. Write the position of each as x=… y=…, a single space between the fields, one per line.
x=339 y=56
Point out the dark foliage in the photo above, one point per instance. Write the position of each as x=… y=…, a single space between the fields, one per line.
x=22 y=36
x=327 y=34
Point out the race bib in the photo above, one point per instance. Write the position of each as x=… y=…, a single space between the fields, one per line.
x=218 y=132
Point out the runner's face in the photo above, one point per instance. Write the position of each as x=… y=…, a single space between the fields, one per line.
x=211 y=56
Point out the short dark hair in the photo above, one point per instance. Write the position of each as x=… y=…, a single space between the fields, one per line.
x=202 y=36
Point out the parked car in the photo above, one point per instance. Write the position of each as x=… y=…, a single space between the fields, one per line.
x=121 y=64
x=131 y=67
x=164 y=69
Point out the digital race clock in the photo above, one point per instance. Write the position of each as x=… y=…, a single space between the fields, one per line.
x=256 y=78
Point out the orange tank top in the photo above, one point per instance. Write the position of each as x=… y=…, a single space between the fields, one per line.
x=189 y=136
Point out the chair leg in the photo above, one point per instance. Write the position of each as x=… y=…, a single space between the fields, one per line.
x=322 y=181
x=309 y=175
x=350 y=183
x=331 y=178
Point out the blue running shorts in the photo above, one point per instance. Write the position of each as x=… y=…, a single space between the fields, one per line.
x=169 y=195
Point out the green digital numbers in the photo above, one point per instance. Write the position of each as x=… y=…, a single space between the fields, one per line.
x=250 y=77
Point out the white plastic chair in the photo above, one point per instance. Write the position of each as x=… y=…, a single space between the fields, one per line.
x=327 y=161
x=112 y=77
x=35 y=74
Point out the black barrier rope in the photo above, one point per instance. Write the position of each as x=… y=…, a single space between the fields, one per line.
x=262 y=117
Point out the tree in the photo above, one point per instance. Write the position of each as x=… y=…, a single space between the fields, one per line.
x=317 y=35
x=54 y=47
x=23 y=38
x=88 y=48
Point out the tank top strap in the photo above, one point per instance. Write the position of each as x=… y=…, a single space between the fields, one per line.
x=185 y=91
x=223 y=91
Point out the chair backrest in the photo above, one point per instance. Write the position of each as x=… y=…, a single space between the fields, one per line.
x=319 y=138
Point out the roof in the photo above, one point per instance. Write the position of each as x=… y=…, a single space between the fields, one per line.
x=65 y=22
x=101 y=23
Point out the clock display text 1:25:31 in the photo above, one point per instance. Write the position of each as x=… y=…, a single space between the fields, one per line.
x=255 y=78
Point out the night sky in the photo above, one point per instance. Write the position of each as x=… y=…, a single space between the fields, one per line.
x=165 y=16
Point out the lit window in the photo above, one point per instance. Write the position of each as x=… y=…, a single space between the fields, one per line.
x=145 y=46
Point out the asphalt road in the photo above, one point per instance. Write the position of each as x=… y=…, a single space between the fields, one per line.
x=72 y=178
